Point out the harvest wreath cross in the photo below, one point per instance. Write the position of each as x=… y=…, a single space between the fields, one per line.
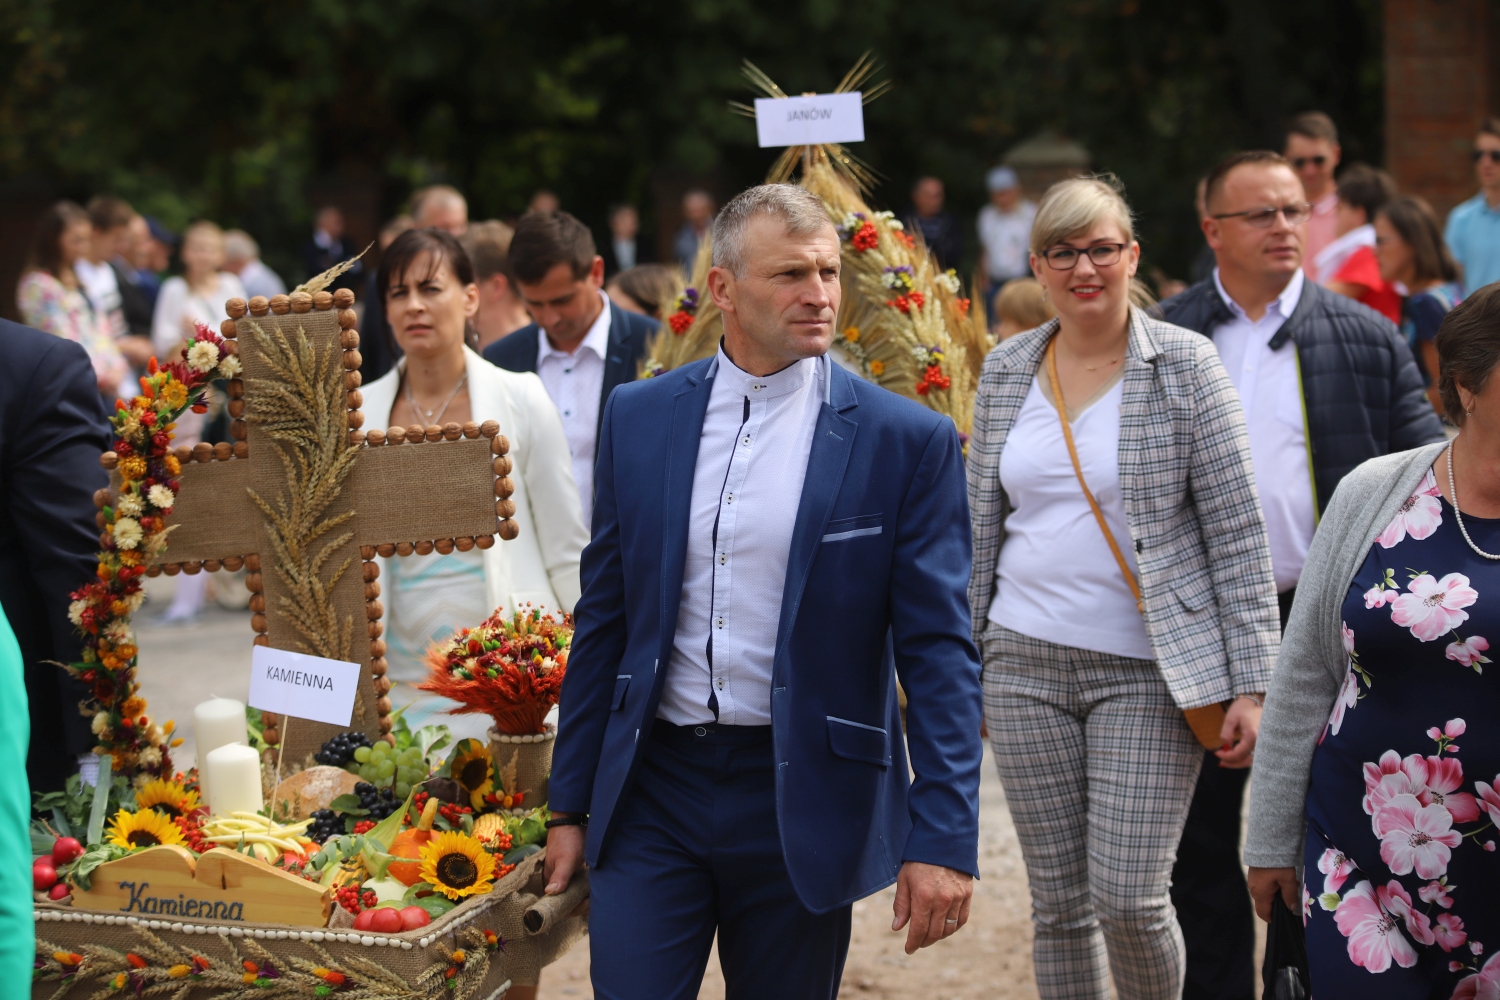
x=305 y=500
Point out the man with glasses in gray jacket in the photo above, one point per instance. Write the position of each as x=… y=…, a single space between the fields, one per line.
x=1326 y=383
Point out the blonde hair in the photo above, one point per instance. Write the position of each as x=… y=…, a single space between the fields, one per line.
x=203 y=227
x=1023 y=302
x=1074 y=206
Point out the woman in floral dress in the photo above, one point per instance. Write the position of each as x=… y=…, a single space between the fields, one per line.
x=52 y=300
x=1401 y=894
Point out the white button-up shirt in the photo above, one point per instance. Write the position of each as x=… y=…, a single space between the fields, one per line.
x=752 y=460
x=574 y=382
x=1271 y=393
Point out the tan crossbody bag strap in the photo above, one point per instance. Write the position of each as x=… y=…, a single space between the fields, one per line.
x=1088 y=494
x=1206 y=722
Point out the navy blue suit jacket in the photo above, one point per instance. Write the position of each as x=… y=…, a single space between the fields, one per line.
x=628 y=333
x=52 y=431
x=879 y=565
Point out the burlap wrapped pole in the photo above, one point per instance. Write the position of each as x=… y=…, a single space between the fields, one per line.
x=413 y=964
x=530 y=755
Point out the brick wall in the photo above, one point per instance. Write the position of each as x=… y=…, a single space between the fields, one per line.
x=1438 y=85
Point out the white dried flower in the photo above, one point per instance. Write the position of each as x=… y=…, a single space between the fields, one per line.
x=161 y=497
x=229 y=367
x=949 y=280
x=895 y=224
x=150 y=757
x=129 y=505
x=134 y=601
x=128 y=532
x=75 y=611
x=100 y=725
x=203 y=356
x=118 y=632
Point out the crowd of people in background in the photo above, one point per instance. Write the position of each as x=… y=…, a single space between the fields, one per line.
x=532 y=321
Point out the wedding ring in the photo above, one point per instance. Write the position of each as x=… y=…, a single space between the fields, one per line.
x=950 y=920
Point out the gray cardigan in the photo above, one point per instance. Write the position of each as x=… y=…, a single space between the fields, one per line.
x=1312 y=664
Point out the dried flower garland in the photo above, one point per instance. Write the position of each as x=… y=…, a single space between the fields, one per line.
x=686 y=307
x=135 y=529
x=508 y=668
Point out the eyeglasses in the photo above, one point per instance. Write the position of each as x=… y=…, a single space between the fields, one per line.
x=1066 y=258
x=1261 y=218
x=1493 y=154
x=1298 y=162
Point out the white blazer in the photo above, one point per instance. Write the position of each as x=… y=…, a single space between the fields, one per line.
x=541 y=564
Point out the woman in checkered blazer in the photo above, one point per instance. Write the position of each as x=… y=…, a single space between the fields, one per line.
x=1121 y=577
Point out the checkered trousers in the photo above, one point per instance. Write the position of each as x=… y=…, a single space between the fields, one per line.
x=1099 y=769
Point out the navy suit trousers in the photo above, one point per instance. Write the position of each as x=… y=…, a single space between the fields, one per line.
x=697 y=850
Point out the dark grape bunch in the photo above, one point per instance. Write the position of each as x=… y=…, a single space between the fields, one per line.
x=340 y=750
x=380 y=802
x=325 y=823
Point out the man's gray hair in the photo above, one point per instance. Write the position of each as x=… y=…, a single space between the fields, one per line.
x=800 y=209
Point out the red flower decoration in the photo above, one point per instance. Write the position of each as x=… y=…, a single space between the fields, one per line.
x=679 y=322
x=865 y=237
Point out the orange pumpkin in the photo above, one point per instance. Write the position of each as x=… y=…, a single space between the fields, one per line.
x=409 y=844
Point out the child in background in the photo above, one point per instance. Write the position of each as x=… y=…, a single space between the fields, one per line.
x=1019 y=307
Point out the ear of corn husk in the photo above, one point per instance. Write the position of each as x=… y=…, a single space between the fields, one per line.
x=700 y=322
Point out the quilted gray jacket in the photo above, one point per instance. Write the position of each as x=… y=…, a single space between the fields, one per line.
x=1195 y=519
x=1313 y=662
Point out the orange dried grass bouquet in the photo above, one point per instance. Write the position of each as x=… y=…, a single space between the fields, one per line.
x=510 y=669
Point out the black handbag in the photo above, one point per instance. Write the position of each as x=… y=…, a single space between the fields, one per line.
x=1285 y=967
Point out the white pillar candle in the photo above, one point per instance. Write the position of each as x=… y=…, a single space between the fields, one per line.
x=233 y=780
x=216 y=723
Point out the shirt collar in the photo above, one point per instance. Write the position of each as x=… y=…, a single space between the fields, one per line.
x=1282 y=306
x=1327 y=203
x=596 y=340
x=790 y=379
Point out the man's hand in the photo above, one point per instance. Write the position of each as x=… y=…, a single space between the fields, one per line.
x=1241 y=727
x=933 y=899
x=564 y=855
x=1266 y=882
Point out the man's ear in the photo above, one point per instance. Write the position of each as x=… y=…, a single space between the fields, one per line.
x=721 y=288
x=1210 y=227
x=596 y=272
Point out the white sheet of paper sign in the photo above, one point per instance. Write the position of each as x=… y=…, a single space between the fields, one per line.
x=306 y=687
x=808 y=121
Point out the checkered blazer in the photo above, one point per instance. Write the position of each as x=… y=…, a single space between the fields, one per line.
x=1195 y=519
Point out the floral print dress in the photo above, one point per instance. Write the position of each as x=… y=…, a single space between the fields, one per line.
x=1402 y=878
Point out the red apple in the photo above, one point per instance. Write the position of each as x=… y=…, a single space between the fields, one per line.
x=60 y=891
x=43 y=875
x=387 y=920
x=362 y=922
x=64 y=850
x=413 y=917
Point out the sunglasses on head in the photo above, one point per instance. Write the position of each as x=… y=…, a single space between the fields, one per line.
x=1493 y=154
x=1298 y=162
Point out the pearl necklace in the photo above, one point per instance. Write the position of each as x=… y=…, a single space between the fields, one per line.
x=1458 y=515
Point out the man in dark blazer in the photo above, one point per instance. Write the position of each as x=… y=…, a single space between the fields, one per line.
x=52 y=431
x=582 y=345
x=775 y=542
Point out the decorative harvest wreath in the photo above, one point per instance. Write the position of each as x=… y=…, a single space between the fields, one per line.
x=134 y=529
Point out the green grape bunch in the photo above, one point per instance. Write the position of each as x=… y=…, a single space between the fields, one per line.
x=385 y=767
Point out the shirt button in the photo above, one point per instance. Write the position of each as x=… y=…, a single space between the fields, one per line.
x=757 y=387
x=729 y=498
x=721 y=683
x=719 y=622
x=723 y=558
x=747 y=440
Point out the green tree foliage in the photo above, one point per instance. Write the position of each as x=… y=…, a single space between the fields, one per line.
x=240 y=111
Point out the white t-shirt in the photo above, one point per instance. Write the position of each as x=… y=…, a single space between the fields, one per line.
x=103 y=289
x=1007 y=238
x=1057 y=579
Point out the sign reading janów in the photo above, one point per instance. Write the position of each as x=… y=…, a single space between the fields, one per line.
x=307 y=687
x=810 y=121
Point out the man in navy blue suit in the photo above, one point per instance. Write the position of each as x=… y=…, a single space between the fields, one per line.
x=772 y=536
x=582 y=344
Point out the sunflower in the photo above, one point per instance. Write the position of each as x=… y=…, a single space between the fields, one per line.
x=472 y=768
x=457 y=865
x=170 y=797
x=146 y=828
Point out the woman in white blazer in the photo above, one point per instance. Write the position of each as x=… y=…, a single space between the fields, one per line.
x=430 y=296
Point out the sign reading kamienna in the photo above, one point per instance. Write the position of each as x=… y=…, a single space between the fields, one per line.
x=810 y=121
x=306 y=687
